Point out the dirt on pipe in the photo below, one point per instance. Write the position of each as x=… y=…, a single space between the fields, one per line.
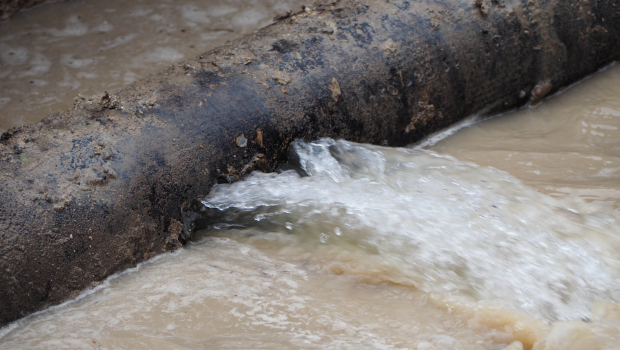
x=9 y=7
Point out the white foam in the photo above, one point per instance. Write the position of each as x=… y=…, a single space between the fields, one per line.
x=444 y=226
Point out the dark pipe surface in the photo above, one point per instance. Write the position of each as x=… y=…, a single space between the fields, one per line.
x=112 y=182
x=9 y=7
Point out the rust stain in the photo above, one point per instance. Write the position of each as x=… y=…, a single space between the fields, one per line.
x=259 y=137
x=335 y=89
x=422 y=114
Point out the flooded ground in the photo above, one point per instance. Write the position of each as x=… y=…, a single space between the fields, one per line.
x=50 y=54
x=428 y=247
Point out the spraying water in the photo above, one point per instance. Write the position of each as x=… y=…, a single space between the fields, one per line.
x=429 y=221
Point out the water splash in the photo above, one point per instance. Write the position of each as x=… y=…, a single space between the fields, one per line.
x=416 y=218
x=369 y=248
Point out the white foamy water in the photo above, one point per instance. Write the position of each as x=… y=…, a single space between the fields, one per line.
x=224 y=294
x=378 y=248
x=441 y=225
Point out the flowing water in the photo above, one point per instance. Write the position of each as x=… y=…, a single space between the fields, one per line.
x=50 y=54
x=568 y=145
x=498 y=234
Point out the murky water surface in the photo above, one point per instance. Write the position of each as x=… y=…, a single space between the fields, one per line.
x=504 y=235
x=50 y=54
x=569 y=145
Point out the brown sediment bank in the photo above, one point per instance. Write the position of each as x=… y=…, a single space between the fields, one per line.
x=111 y=182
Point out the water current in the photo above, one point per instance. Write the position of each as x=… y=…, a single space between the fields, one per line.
x=495 y=234
x=50 y=54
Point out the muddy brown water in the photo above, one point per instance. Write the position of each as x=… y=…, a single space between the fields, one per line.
x=52 y=53
x=495 y=234
x=569 y=145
